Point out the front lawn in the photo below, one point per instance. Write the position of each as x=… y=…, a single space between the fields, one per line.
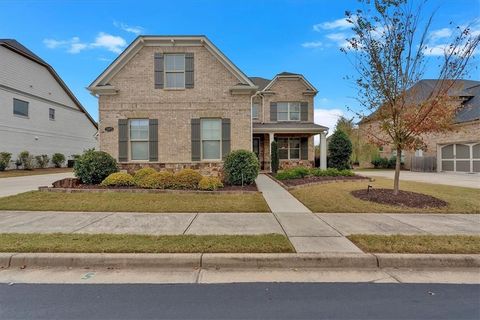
x=336 y=197
x=114 y=243
x=417 y=244
x=135 y=202
x=34 y=172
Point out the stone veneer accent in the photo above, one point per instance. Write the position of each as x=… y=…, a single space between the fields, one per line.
x=288 y=164
x=213 y=169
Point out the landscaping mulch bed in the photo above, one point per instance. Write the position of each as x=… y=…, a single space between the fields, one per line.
x=314 y=179
x=404 y=198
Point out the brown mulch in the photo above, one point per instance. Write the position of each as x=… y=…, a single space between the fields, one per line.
x=313 y=179
x=76 y=185
x=403 y=199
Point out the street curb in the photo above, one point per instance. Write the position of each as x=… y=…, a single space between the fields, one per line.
x=408 y=260
x=238 y=260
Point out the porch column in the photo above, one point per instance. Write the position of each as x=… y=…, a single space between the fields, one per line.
x=270 y=140
x=323 y=150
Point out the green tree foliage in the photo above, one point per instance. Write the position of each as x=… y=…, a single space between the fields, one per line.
x=339 y=150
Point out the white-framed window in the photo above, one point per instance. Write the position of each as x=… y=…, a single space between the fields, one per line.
x=288 y=111
x=138 y=131
x=255 y=111
x=51 y=113
x=419 y=153
x=20 y=108
x=175 y=71
x=288 y=148
x=211 y=136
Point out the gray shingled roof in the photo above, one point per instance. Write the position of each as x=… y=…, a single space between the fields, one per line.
x=260 y=82
x=17 y=47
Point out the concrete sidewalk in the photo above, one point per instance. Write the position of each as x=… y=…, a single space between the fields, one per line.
x=452 y=179
x=305 y=231
x=15 y=185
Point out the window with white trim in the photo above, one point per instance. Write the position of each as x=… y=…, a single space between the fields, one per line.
x=255 y=111
x=288 y=111
x=288 y=148
x=211 y=136
x=175 y=71
x=138 y=129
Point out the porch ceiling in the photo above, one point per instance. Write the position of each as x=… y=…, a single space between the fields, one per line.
x=288 y=127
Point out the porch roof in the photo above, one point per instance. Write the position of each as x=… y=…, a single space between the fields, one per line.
x=288 y=127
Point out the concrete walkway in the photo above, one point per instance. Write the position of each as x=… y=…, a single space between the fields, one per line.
x=15 y=185
x=452 y=179
x=305 y=231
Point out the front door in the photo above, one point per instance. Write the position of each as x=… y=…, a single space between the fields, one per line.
x=256 y=147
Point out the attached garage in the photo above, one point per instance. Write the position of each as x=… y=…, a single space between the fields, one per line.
x=460 y=157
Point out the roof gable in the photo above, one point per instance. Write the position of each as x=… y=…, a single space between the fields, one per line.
x=141 y=41
x=289 y=75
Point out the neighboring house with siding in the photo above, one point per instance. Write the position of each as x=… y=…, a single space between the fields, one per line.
x=455 y=151
x=38 y=112
x=177 y=101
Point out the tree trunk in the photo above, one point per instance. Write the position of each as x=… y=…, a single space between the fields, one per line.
x=396 y=180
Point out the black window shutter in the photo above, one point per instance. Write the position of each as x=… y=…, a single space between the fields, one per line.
x=195 y=139
x=225 y=137
x=122 y=140
x=273 y=111
x=189 y=66
x=304 y=148
x=158 y=66
x=304 y=111
x=153 y=140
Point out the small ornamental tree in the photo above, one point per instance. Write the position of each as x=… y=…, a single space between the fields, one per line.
x=392 y=46
x=339 y=150
x=275 y=157
x=5 y=160
x=58 y=160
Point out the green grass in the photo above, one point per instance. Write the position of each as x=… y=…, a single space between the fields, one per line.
x=416 y=244
x=135 y=202
x=336 y=197
x=113 y=243
x=34 y=172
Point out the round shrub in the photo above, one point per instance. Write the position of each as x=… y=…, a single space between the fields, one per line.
x=187 y=179
x=58 y=160
x=241 y=167
x=157 y=180
x=142 y=173
x=93 y=167
x=210 y=183
x=118 y=179
x=4 y=160
x=339 y=150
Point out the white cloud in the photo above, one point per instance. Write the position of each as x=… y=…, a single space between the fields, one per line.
x=327 y=118
x=340 y=39
x=109 y=42
x=132 y=29
x=339 y=24
x=73 y=45
x=440 y=34
x=312 y=44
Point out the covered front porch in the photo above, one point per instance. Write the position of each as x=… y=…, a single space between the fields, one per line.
x=295 y=144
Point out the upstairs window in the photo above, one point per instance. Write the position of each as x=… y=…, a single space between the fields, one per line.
x=288 y=111
x=20 y=108
x=255 y=111
x=51 y=113
x=175 y=71
x=139 y=139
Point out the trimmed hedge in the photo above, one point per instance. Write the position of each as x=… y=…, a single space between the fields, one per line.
x=118 y=179
x=142 y=173
x=301 y=172
x=210 y=183
x=187 y=179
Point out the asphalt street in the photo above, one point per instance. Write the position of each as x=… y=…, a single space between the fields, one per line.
x=240 y=301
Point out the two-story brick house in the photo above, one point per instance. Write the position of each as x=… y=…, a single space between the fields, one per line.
x=177 y=101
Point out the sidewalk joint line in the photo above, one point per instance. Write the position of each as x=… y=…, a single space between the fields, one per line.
x=190 y=224
x=95 y=221
x=408 y=224
x=281 y=226
x=328 y=224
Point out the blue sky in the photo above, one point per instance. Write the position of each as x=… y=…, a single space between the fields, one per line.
x=80 y=38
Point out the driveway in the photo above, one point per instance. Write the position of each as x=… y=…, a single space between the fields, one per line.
x=15 y=185
x=452 y=179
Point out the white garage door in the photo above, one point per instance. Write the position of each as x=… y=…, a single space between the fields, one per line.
x=460 y=157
